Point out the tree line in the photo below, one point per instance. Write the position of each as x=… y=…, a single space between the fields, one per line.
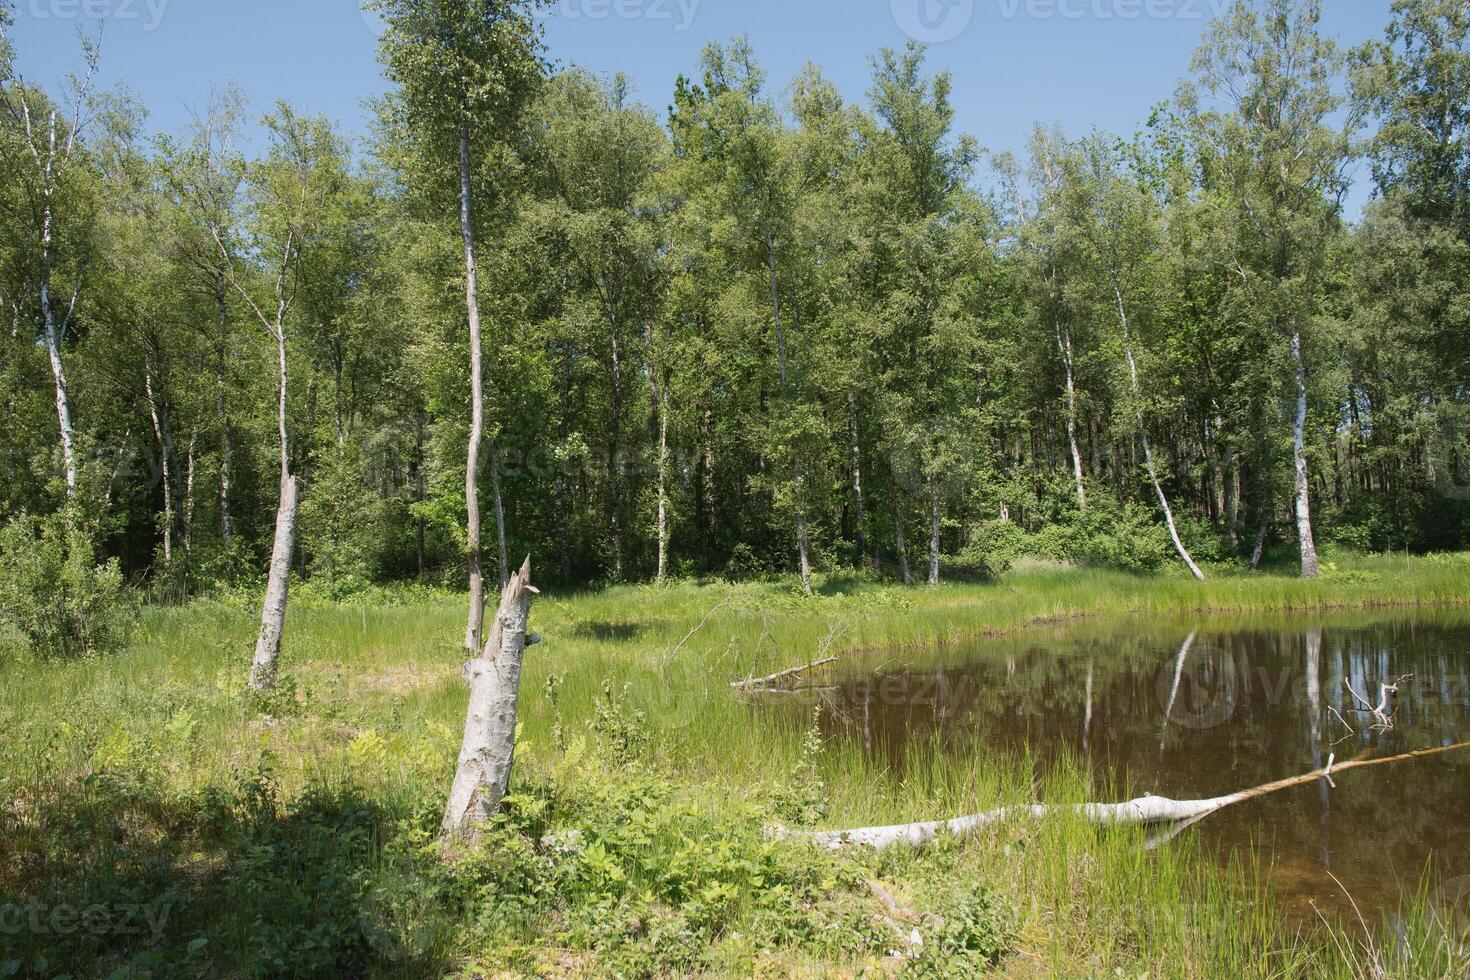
x=766 y=329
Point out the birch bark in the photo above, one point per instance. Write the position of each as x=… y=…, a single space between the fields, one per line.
x=475 y=623
x=487 y=754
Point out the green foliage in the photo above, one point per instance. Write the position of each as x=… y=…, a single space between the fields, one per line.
x=53 y=590
x=973 y=930
x=1128 y=537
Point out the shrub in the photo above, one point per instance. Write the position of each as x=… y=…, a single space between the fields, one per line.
x=976 y=931
x=995 y=547
x=1124 y=536
x=53 y=590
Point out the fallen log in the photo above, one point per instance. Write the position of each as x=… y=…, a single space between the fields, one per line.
x=1148 y=810
x=761 y=683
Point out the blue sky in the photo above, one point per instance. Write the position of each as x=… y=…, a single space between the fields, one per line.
x=1079 y=63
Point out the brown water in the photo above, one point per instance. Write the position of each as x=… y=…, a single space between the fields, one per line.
x=1243 y=703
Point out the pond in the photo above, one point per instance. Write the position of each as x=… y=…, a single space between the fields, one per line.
x=1197 y=709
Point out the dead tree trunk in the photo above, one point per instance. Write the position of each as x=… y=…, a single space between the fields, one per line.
x=1145 y=810
x=1310 y=566
x=482 y=776
x=273 y=612
x=266 y=666
x=476 y=620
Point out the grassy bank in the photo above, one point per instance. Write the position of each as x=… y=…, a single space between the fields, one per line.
x=295 y=836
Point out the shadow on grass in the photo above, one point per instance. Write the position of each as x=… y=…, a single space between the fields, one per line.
x=610 y=632
x=117 y=877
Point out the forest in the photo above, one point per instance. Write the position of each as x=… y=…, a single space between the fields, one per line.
x=764 y=330
x=737 y=353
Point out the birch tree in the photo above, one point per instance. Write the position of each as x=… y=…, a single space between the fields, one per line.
x=45 y=147
x=1283 y=153
x=731 y=134
x=601 y=154
x=1123 y=237
x=464 y=70
x=920 y=169
x=290 y=194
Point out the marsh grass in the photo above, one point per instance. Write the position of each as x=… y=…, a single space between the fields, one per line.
x=293 y=836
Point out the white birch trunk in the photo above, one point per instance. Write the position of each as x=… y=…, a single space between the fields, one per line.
x=935 y=529
x=1260 y=549
x=266 y=666
x=663 y=477
x=165 y=452
x=615 y=445
x=187 y=515
x=1148 y=455
x=476 y=620
x=1310 y=565
x=803 y=541
x=857 y=476
x=1064 y=344
x=482 y=775
x=227 y=448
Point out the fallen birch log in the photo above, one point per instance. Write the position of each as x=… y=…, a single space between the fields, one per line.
x=760 y=683
x=1146 y=810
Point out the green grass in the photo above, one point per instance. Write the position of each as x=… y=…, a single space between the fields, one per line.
x=293 y=837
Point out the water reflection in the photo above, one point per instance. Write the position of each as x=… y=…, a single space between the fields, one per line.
x=1193 y=711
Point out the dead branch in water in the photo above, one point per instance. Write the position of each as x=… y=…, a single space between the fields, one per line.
x=835 y=631
x=762 y=683
x=1380 y=712
x=1146 y=810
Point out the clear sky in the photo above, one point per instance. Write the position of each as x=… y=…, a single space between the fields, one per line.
x=1079 y=63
